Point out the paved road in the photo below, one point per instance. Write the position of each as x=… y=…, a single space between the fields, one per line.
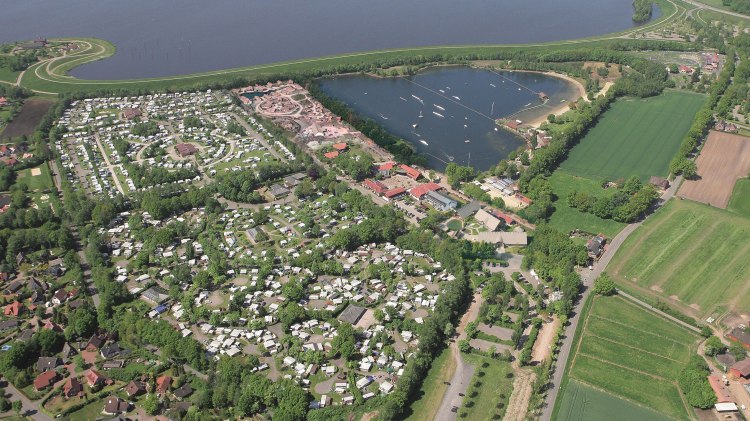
x=588 y=277
x=464 y=372
x=31 y=409
x=715 y=9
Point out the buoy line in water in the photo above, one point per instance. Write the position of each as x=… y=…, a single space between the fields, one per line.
x=450 y=99
x=513 y=81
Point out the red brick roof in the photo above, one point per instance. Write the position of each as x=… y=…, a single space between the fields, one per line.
x=185 y=149
x=162 y=384
x=506 y=218
x=339 y=146
x=394 y=192
x=331 y=155
x=375 y=186
x=45 y=380
x=422 y=189
x=411 y=172
x=387 y=166
x=13 y=309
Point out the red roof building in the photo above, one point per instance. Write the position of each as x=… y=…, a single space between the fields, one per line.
x=331 y=155
x=422 y=189
x=393 y=193
x=186 y=149
x=376 y=186
x=162 y=384
x=411 y=172
x=523 y=199
x=13 y=309
x=72 y=387
x=507 y=219
x=512 y=124
x=721 y=391
x=3 y=101
x=94 y=378
x=131 y=113
x=385 y=169
x=45 y=380
x=339 y=146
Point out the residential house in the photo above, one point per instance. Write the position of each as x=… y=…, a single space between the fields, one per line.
x=376 y=186
x=110 y=350
x=183 y=391
x=331 y=155
x=47 y=363
x=412 y=173
x=115 y=406
x=488 y=220
x=352 y=314
x=8 y=325
x=385 y=169
x=659 y=182
x=163 y=384
x=595 y=245
x=135 y=388
x=72 y=387
x=45 y=380
x=60 y=297
x=14 y=309
x=740 y=335
x=94 y=378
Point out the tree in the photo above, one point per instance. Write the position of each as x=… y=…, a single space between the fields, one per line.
x=4 y=404
x=17 y=407
x=714 y=346
x=604 y=285
x=151 y=404
x=344 y=344
x=50 y=342
x=738 y=351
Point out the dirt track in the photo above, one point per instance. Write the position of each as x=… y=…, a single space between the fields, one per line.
x=519 y=399
x=26 y=121
x=725 y=158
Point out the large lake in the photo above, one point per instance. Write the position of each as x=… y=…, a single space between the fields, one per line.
x=172 y=37
x=456 y=104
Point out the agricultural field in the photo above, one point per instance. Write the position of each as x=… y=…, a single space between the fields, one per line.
x=584 y=402
x=723 y=159
x=646 y=351
x=740 y=201
x=690 y=255
x=635 y=137
x=567 y=219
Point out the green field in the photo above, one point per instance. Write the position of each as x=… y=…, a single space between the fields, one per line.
x=494 y=387
x=740 y=201
x=583 y=402
x=630 y=353
x=635 y=137
x=690 y=255
x=7 y=75
x=567 y=219
x=39 y=182
x=433 y=387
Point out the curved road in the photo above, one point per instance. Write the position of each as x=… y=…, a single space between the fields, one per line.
x=588 y=278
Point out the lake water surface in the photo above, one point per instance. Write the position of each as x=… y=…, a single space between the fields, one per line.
x=173 y=37
x=457 y=104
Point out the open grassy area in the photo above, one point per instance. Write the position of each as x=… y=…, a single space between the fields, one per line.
x=740 y=201
x=646 y=351
x=494 y=387
x=584 y=402
x=567 y=219
x=433 y=387
x=7 y=75
x=635 y=137
x=690 y=255
x=40 y=182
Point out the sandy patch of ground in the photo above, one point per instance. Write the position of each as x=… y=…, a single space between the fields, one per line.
x=36 y=171
x=543 y=345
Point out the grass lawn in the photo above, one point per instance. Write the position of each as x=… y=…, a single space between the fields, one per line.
x=645 y=351
x=567 y=219
x=40 y=182
x=690 y=255
x=635 y=137
x=740 y=201
x=495 y=388
x=583 y=402
x=8 y=75
x=433 y=388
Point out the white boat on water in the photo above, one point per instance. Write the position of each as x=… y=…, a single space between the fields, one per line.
x=420 y=114
x=423 y=142
x=493 y=85
x=465 y=126
x=416 y=97
x=457 y=98
x=438 y=107
x=467 y=141
x=415 y=125
x=441 y=91
x=527 y=104
x=383 y=117
x=519 y=89
x=495 y=128
x=402 y=98
x=438 y=114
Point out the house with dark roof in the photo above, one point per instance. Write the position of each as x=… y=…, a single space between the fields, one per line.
x=469 y=209
x=47 y=363
x=45 y=380
x=740 y=369
x=8 y=325
x=352 y=314
x=135 y=388
x=183 y=391
x=68 y=352
x=595 y=245
x=115 y=406
x=740 y=335
x=110 y=350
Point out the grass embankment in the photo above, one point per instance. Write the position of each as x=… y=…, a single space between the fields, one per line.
x=646 y=351
x=690 y=255
x=635 y=137
x=433 y=387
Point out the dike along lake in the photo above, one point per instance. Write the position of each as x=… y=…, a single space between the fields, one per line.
x=176 y=37
x=448 y=113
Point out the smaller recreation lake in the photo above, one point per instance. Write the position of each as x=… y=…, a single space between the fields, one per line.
x=449 y=113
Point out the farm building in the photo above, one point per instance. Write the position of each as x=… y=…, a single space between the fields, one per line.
x=659 y=182
x=720 y=390
x=740 y=335
x=740 y=368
